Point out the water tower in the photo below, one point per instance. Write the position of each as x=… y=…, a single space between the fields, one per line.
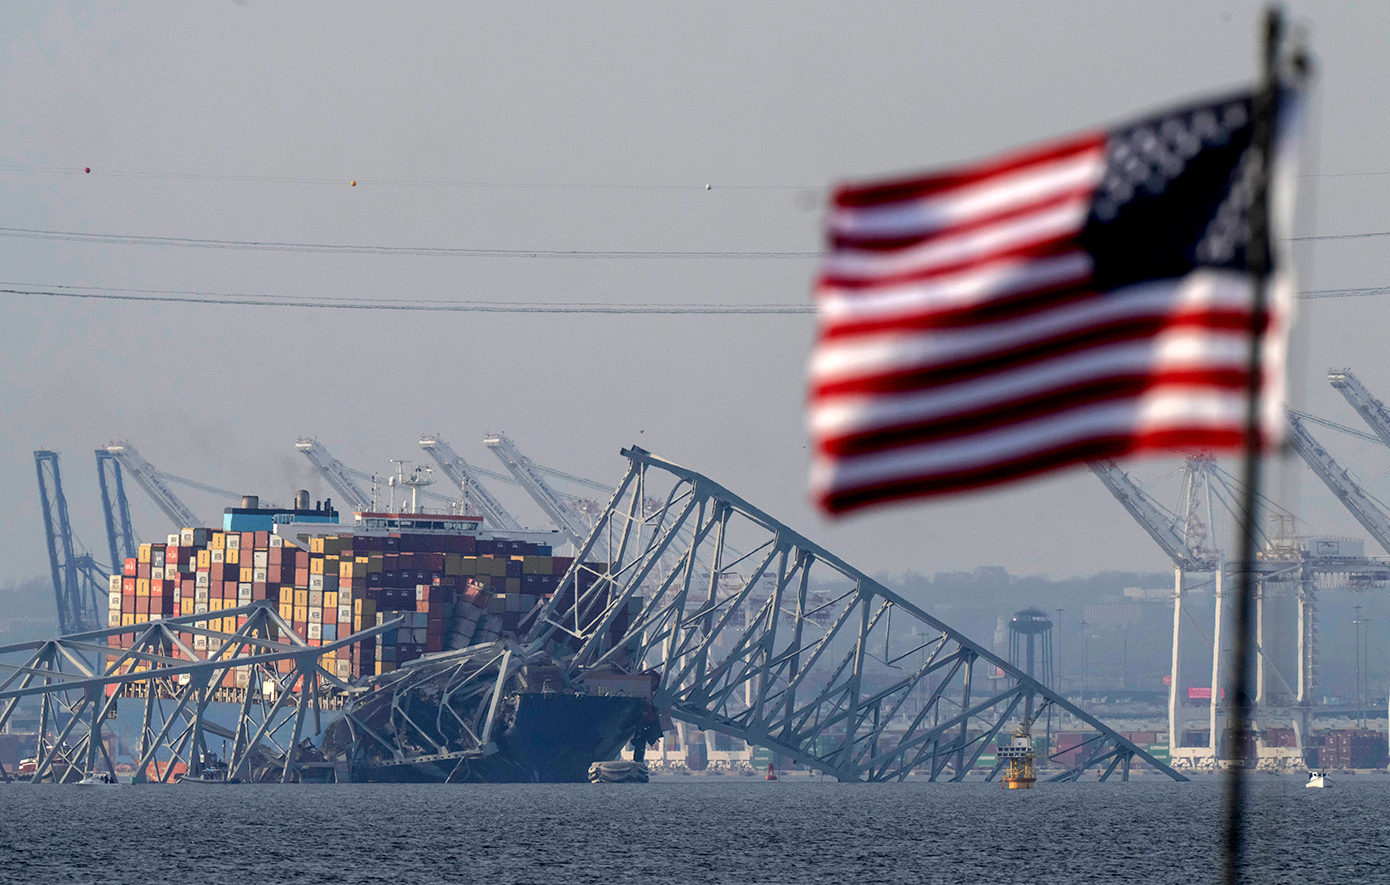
x=1030 y=644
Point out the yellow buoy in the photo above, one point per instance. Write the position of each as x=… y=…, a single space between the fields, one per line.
x=354 y=184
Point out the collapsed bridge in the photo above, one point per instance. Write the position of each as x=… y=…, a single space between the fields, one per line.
x=709 y=612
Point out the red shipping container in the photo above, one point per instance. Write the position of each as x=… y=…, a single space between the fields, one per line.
x=262 y=540
x=142 y=569
x=248 y=541
x=128 y=568
x=259 y=589
x=277 y=555
x=301 y=559
x=301 y=577
x=128 y=586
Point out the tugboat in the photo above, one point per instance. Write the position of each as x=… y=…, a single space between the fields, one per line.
x=213 y=771
x=1317 y=780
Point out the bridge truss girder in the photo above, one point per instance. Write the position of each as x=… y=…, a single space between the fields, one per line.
x=176 y=686
x=864 y=686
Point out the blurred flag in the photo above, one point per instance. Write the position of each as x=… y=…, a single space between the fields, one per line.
x=1081 y=299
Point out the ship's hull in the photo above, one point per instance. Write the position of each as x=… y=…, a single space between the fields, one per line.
x=553 y=738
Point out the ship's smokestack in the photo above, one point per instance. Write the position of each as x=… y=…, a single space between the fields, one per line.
x=301 y=499
x=250 y=502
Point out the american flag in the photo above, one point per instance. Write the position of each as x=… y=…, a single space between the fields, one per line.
x=1081 y=299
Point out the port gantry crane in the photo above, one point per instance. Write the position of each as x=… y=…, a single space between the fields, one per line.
x=115 y=508
x=1372 y=410
x=80 y=586
x=468 y=477
x=336 y=473
x=568 y=520
x=156 y=482
x=344 y=479
x=1184 y=538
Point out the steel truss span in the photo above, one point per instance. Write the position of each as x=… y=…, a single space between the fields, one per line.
x=786 y=646
x=278 y=690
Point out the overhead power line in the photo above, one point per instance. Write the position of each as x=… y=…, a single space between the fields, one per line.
x=329 y=303
x=442 y=305
x=416 y=251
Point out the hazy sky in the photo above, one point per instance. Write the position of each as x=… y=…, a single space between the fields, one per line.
x=557 y=126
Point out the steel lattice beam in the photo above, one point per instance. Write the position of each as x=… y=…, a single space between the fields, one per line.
x=864 y=685
x=153 y=665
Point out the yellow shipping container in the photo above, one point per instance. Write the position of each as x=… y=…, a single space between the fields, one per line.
x=219 y=541
x=127 y=619
x=286 y=594
x=301 y=597
x=142 y=619
x=142 y=586
x=301 y=613
x=287 y=611
x=143 y=554
x=246 y=574
x=316 y=566
x=330 y=599
x=345 y=569
x=215 y=604
x=186 y=606
x=232 y=556
x=316 y=544
x=204 y=558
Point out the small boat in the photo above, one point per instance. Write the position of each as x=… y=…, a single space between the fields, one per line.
x=771 y=773
x=98 y=780
x=1317 y=780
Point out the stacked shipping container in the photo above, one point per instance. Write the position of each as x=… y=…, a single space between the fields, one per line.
x=450 y=591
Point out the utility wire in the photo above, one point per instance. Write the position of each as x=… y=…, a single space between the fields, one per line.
x=417 y=251
x=556 y=307
x=346 y=302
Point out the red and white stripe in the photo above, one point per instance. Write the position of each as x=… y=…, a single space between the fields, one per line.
x=961 y=344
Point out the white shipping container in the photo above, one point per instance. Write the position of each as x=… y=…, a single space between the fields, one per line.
x=344 y=669
x=315 y=614
x=202 y=580
x=316 y=597
x=219 y=556
x=186 y=538
x=277 y=541
x=345 y=614
x=260 y=559
x=115 y=599
x=115 y=584
x=173 y=541
x=200 y=642
x=200 y=594
x=157 y=573
x=234 y=541
x=115 y=617
x=315 y=630
x=258 y=575
x=316 y=582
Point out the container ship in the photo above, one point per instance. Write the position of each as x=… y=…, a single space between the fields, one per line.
x=454 y=592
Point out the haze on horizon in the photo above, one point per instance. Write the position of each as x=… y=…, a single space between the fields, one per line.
x=553 y=128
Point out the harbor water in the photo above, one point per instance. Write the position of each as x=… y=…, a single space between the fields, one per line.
x=689 y=829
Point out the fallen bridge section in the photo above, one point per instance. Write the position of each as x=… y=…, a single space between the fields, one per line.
x=785 y=645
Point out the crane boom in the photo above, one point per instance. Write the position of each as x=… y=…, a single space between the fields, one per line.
x=153 y=482
x=333 y=470
x=115 y=507
x=568 y=521
x=1340 y=483
x=1372 y=410
x=1333 y=425
x=1151 y=516
x=79 y=586
x=465 y=475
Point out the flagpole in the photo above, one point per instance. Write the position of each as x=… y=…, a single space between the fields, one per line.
x=1259 y=261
